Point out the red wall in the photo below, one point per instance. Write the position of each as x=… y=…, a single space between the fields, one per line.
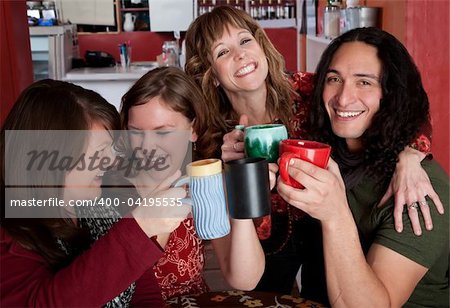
x=285 y=41
x=147 y=45
x=427 y=39
x=15 y=54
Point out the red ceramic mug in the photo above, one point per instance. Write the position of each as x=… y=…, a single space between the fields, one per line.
x=311 y=151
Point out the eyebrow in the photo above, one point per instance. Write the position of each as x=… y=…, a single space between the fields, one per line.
x=133 y=127
x=239 y=33
x=371 y=76
x=156 y=128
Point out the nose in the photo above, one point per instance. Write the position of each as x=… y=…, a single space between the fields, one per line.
x=239 y=53
x=345 y=95
x=112 y=155
x=148 y=142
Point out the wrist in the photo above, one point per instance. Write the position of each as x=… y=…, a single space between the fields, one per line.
x=411 y=153
x=339 y=223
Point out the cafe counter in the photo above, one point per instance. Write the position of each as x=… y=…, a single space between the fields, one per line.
x=110 y=82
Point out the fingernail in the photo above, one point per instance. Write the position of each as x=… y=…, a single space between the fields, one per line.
x=418 y=233
x=429 y=227
x=291 y=162
x=399 y=229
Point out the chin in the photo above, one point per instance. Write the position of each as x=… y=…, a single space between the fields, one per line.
x=85 y=193
x=159 y=176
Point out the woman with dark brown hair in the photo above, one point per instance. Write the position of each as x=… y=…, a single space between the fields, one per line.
x=242 y=76
x=54 y=250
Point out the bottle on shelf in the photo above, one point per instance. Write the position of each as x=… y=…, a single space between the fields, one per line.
x=289 y=9
x=262 y=10
x=331 y=21
x=351 y=20
x=279 y=10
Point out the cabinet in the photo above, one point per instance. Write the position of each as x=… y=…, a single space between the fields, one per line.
x=137 y=8
x=52 y=50
x=269 y=13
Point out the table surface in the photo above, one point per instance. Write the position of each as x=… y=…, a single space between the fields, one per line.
x=240 y=299
x=134 y=72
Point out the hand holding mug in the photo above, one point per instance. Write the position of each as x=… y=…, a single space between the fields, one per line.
x=155 y=220
x=311 y=151
x=273 y=169
x=324 y=197
x=233 y=142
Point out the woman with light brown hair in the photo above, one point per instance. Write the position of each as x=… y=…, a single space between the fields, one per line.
x=161 y=106
x=243 y=78
x=276 y=96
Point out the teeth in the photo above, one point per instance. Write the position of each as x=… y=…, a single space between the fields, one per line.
x=348 y=114
x=247 y=69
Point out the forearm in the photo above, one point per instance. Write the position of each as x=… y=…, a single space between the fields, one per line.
x=240 y=255
x=101 y=273
x=350 y=280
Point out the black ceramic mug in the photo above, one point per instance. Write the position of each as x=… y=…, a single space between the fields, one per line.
x=248 y=187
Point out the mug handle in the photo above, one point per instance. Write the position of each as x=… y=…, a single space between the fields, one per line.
x=284 y=165
x=180 y=182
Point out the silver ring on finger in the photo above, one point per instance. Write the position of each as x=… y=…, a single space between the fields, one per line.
x=423 y=203
x=413 y=205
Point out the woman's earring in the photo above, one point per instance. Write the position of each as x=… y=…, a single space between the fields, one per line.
x=194 y=146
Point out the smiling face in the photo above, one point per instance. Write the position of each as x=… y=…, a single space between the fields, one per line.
x=238 y=61
x=84 y=181
x=154 y=126
x=352 y=91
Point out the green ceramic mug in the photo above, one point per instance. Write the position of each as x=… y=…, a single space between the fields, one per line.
x=263 y=140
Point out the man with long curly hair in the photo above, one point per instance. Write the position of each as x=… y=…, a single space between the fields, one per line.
x=369 y=102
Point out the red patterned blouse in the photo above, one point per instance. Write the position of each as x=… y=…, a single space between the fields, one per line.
x=179 y=271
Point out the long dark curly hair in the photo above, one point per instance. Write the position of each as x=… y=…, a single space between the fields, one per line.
x=404 y=107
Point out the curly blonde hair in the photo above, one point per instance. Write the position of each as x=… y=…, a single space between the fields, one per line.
x=201 y=35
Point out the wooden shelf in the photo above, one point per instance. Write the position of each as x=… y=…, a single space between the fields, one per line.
x=134 y=9
x=278 y=23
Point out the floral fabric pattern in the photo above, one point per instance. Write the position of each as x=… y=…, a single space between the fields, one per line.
x=303 y=85
x=245 y=299
x=179 y=271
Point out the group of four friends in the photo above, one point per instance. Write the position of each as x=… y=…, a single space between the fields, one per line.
x=348 y=229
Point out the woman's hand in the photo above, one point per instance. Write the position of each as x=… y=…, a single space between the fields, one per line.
x=410 y=184
x=155 y=220
x=233 y=142
x=323 y=197
x=273 y=169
